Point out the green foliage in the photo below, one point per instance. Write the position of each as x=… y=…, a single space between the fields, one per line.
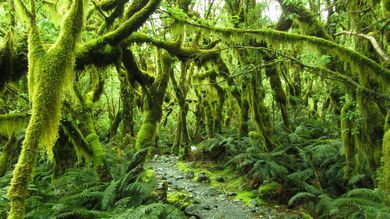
x=152 y=211
x=79 y=194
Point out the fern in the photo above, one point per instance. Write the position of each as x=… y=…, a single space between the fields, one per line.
x=81 y=213
x=109 y=194
x=359 y=203
x=302 y=195
x=152 y=211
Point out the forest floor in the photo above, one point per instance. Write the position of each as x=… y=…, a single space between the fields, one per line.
x=202 y=197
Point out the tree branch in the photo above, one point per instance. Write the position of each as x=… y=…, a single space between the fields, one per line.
x=375 y=44
x=274 y=37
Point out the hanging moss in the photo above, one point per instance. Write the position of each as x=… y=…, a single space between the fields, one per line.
x=278 y=38
x=11 y=123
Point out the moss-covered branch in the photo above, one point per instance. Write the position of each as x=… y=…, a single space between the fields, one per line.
x=277 y=39
x=174 y=48
x=321 y=71
x=134 y=73
x=115 y=37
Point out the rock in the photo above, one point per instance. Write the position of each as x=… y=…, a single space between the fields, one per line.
x=254 y=203
x=213 y=192
x=238 y=202
x=179 y=177
x=192 y=210
x=206 y=207
x=196 y=201
x=194 y=148
x=255 y=209
x=192 y=217
x=165 y=160
x=220 y=179
x=203 y=178
x=231 y=194
x=162 y=186
x=169 y=182
x=190 y=174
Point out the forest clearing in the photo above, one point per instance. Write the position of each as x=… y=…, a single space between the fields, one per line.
x=200 y=109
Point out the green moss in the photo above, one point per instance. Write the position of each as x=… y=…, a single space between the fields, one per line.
x=146 y=136
x=147 y=175
x=96 y=147
x=179 y=199
x=11 y=123
x=270 y=190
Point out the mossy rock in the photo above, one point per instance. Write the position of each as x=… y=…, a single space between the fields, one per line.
x=179 y=199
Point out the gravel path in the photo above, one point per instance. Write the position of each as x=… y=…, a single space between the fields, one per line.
x=208 y=202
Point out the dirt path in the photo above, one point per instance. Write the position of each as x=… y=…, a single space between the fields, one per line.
x=207 y=202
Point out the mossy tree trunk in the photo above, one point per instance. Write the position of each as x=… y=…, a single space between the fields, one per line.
x=261 y=115
x=199 y=112
x=154 y=98
x=369 y=125
x=127 y=99
x=278 y=91
x=348 y=127
x=244 y=112
x=208 y=116
x=49 y=73
x=386 y=161
x=181 y=90
x=88 y=126
x=218 y=106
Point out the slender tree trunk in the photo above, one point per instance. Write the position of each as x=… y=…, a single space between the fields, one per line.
x=127 y=97
x=6 y=155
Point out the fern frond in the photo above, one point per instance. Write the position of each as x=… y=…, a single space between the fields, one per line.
x=110 y=194
x=300 y=196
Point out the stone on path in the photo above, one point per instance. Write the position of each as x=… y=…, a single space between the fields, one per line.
x=203 y=178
